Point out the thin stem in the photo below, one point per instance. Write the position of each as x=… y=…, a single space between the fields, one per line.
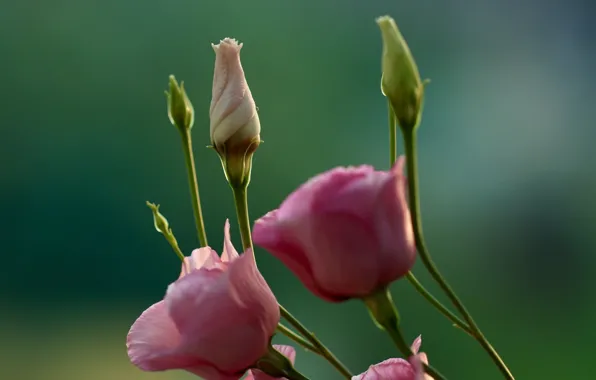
x=174 y=244
x=410 y=276
x=241 y=201
x=457 y=322
x=392 y=135
x=194 y=186
x=412 y=169
x=295 y=375
x=323 y=350
x=297 y=338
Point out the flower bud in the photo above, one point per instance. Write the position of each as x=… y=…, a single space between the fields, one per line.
x=345 y=233
x=180 y=109
x=400 y=82
x=235 y=127
x=159 y=221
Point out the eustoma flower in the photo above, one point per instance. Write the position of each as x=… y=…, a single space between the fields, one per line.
x=345 y=233
x=287 y=351
x=235 y=126
x=399 y=369
x=215 y=321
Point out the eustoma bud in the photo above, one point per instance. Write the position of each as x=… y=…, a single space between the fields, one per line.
x=401 y=82
x=235 y=127
x=345 y=233
x=180 y=109
x=159 y=221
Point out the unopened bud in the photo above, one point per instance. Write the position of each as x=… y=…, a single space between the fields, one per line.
x=161 y=225
x=159 y=221
x=180 y=109
x=400 y=82
x=235 y=127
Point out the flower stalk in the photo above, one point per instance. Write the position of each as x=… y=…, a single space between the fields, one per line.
x=412 y=170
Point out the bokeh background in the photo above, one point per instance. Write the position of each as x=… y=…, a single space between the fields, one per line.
x=506 y=155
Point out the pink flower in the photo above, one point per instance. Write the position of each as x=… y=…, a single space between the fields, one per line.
x=287 y=351
x=345 y=233
x=399 y=369
x=215 y=320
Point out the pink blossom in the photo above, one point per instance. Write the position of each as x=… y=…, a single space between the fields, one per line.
x=399 y=369
x=345 y=233
x=215 y=320
x=288 y=351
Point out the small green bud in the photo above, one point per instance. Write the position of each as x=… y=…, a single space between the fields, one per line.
x=161 y=225
x=180 y=109
x=400 y=81
x=159 y=221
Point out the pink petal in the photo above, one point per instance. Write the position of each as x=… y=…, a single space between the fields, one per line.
x=228 y=80
x=232 y=333
x=352 y=189
x=394 y=228
x=229 y=252
x=416 y=344
x=269 y=233
x=317 y=188
x=249 y=288
x=342 y=254
x=200 y=258
x=288 y=351
x=416 y=363
x=153 y=339
x=390 y=369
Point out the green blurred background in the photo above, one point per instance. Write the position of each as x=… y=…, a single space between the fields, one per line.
x=505 y=152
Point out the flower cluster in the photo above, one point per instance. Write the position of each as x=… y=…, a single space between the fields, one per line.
x=347 y=233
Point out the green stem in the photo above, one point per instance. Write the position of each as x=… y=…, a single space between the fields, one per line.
x=410 y=276
x=323 y=350
x=194 y=186
x=383 y=311
x=295 y=375
x=297 y=338
x=392 y=135
x=241 y=201
x=174 y=244
x=457 y=322
x=412 y=169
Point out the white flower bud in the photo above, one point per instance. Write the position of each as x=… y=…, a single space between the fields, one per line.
x=235 y=128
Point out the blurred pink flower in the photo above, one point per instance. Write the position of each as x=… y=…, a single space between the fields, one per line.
x=287 y=351
x=399 y=369
x=345 y=233
x=215 y=320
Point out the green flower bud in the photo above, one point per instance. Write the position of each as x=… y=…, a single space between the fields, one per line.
x=400 y=82
x=180 y=109
x=159 y=221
